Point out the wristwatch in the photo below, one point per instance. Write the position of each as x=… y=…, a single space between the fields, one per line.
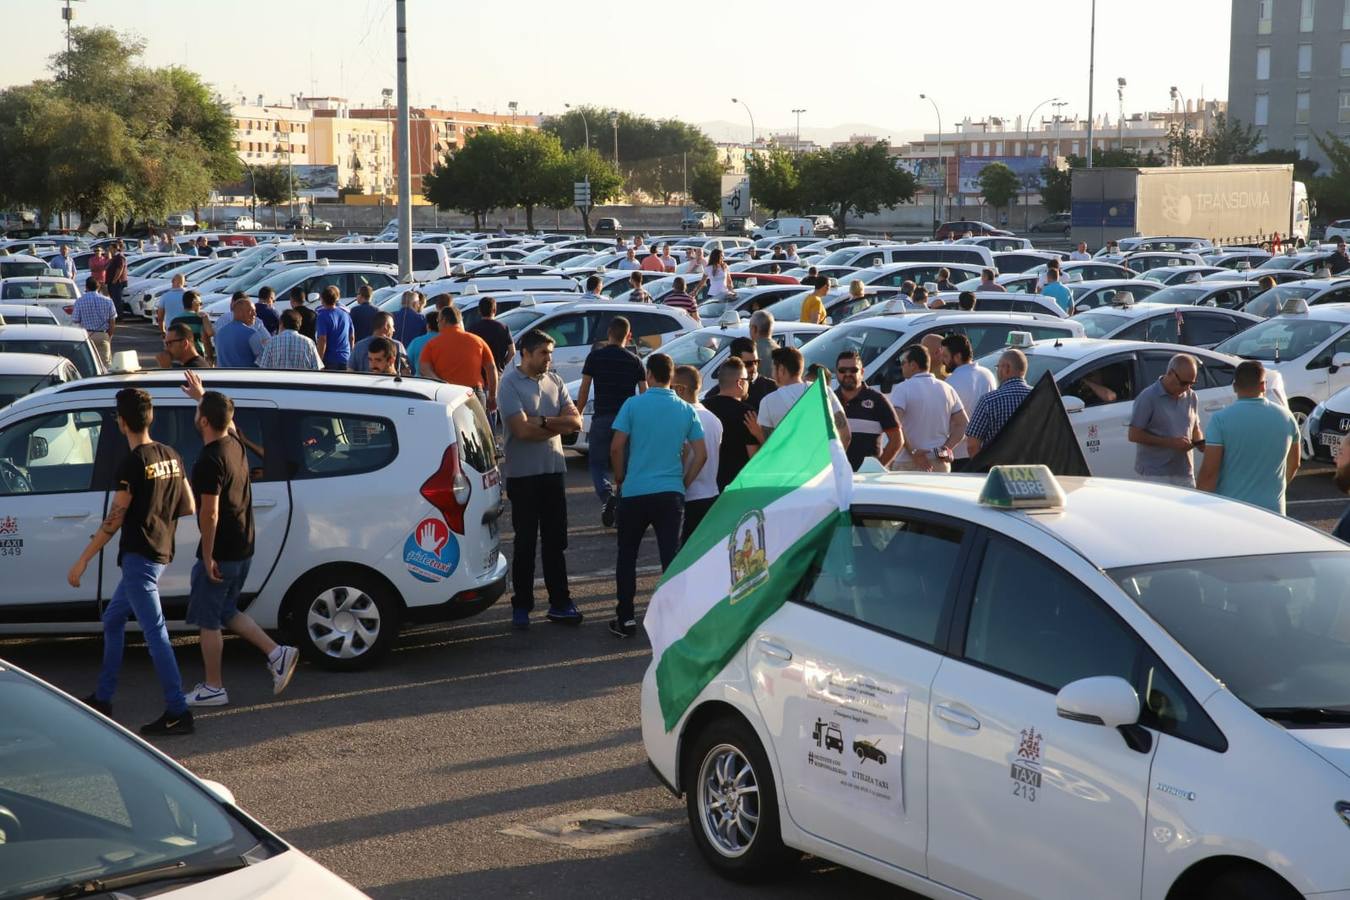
x=543 y=421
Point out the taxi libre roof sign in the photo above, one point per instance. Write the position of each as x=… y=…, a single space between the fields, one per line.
x=1022 y=487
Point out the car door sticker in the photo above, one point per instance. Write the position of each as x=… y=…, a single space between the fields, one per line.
x=853 y=739
x=10 y=542
x=1026 y=765
x=431 y=552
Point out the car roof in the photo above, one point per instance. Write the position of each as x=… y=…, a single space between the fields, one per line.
x=588 y=305
x=1145 y=308
x=30 y=363
x=1329 y=312
x=42 y=333
x=1097 y=511
x=1084 y=347
x=22 y=257
x=1095 y=283
x=908 y=320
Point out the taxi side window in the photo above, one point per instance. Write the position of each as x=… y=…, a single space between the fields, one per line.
x=52 y=454
x=173 y=425
x=891 y=573
x=323 y=445
x=1323 y=360
x=1210 y=328
x=1048 y=636
x=1112 y=382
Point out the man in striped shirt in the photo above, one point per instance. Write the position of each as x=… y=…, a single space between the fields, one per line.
x=680 y=299
x=995 y=408
x=97 y=315
x=290 y=349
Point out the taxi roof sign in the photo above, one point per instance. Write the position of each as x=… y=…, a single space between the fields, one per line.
x=1022 y=487
x=1019 y=339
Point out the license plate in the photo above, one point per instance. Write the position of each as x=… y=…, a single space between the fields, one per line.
x=1330 y=439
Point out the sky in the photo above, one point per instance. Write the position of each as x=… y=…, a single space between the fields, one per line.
x=846 y=62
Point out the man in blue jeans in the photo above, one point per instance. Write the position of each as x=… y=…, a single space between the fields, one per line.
x=616 y=373
x=220 y=483
x=657 y=452
x=151 y=495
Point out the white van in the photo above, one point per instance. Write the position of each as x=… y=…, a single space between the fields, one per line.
x=375 y=503
x=429 y=261
x=801 y=227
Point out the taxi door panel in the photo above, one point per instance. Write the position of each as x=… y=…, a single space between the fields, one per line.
x=844 y=697
x=1107 y=388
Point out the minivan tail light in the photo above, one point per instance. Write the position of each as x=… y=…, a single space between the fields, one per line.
x=448 y=489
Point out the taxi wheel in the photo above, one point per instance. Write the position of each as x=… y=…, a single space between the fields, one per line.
x=732 y=803
x=1249 y=882
x=1301 y=409
x=342 y=618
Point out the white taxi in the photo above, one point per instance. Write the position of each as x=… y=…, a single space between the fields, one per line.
x=971 y=700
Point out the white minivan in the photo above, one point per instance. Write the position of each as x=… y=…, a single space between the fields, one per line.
x=375 y=503
x=786 y=227
x=429 y=261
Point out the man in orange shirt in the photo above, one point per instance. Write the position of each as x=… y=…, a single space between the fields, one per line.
x=457 y=357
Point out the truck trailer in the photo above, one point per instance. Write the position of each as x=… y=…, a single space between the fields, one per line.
x=1239 y=204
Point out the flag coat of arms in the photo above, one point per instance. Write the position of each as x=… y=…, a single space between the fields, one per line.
x=751 y=549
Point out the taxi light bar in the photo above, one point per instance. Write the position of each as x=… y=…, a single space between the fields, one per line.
x=1122 y=299
x=125 y=361
x=1022 y=487
x=1020 y=339
x=1295 y=306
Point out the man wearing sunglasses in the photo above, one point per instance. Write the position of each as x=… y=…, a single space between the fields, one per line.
x=870 y=414
x=182 y=349
x=757 y=386
x=1165 y=425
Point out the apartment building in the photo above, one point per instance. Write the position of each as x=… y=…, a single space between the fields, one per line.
x=271 y=135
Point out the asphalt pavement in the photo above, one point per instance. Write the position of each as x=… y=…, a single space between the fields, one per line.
x=403 y=778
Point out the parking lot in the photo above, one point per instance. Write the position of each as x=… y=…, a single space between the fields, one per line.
x=403 y=779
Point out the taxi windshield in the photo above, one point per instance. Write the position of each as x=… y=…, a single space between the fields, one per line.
x=1274 y=628
x=1180 y=294
x=518 y=320
x=1099 y=323
x=697 y=347
x=839 y=257
x=1269 y=303
x=1281 y=338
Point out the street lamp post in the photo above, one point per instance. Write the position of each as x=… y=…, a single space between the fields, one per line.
x=1092 y=65
x=752 y=118
x=1026 y=151
x=1120 y=119
x=614 y=123
x=585 y=128
x=1177 y=97
x=1059 y=121
x=798 y=114
x=941 y=194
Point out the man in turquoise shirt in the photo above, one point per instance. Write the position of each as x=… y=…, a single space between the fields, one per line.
x=657 y=450
x=1252 y=447
x=1057 y=292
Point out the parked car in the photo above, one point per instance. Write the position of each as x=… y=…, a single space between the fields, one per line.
x=576 y=327
x=339 y=588
x=181 y=222
x=1058 y=223
x=607 y=225
x=309 y=223
x=56 y=340
x=240 y=223
x=699 y=221
x=959 y=228
x=22 y=374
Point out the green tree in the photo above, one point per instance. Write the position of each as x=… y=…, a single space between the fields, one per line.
x=1056 y=188
x=1223 y=144
x=705 y=184
x=1304 y=169
x=1332 y=191
x=774 y=181
x=530 y=160
x=580 y=164
x=274 y=186
x=859 y=179
x=472 y=179
x=999 y=185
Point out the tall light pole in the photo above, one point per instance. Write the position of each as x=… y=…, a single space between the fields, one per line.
x=1092 y=65
x=1059 y=121
x=941 y=194
x=513 y=106
x=1120 y=118
x=585 y=128
x=752 y=119
x=1177 y=97
x=798 y=114
x=1026 y=148
x=404 y=157
x=614 y=123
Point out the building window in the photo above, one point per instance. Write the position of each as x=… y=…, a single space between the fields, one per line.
x=1302 y=107
x=1263 y=13
x=1262 y=116
x=1262 y=63
x=1345 y=17
x=1301 y=147
x=1344 y=114
x=1345 y=59
x=1305 y=20
x=1305 y=60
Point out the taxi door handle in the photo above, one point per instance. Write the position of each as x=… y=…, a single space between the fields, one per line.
x=955 y=717
x=1210 y=407
x=777 y=651
x=71 y=515
x=264 y=504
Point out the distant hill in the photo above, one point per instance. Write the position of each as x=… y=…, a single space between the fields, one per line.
x=727 y=131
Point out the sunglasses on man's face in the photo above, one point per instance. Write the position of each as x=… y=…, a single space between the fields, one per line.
x=847 y=370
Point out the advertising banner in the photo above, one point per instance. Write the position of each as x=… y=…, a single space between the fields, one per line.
x=1026 y=168
x=316 y=182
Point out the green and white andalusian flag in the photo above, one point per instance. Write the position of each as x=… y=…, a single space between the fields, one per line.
x=749 y=551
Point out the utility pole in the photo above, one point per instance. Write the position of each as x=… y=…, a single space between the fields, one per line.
x=1092 y=65
x=404 y=176
x=1059 y=121
x=942 y=168
x=798 y=114
x=1120 y=121
x=68 y=15
x=614 y=123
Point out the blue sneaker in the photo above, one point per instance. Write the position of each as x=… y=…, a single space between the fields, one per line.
x=520 y=619
x=567 y=615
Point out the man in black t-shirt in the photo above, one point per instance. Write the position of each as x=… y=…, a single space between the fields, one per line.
x=220 y=481
x=308 y=320
x=870 y=414
x=728 y=404
x=616 y=374
x=151 y=495
x=759 y=386
x=496 y=335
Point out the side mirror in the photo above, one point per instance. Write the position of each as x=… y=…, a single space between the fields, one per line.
x=313 y=297
x=1073 y=404
x=1340 y=360
x=221 y=792
x=1106 y=700
x=37 y=448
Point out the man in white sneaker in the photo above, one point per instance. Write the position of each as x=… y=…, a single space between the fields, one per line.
x=220 y=481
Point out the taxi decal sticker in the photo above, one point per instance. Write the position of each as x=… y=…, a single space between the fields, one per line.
x=10 y=542
x=431 y=552
x=1094 y=443
x=749 y=563
x=1026 y=765
x=853 y=736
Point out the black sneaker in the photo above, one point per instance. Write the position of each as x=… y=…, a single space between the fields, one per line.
x=623 y=629
x=567 y=615
x=169 y=723
x=98 y=705
x=607 y=514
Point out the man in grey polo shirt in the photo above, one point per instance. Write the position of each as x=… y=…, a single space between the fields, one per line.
x=536 y=411
x=1165 y=424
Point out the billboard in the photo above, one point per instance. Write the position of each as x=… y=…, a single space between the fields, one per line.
x=1026 y=168
x=316 y=182
x=735 y=196
x=926 y=170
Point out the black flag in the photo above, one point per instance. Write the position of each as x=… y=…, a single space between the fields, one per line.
x=1039 y=432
